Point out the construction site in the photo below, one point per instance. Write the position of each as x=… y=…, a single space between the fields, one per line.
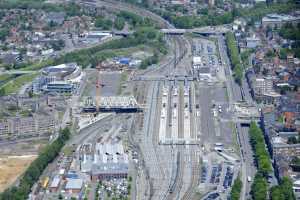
x=118 y=104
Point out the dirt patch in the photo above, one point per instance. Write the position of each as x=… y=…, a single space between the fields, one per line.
x=11 y=167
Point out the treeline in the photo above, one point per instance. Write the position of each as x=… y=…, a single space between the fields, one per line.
x=291 y=32
x=119 y=22
x=36 y=168
x=134 y=19
x=259 y=188
x=236 y=189
x=149 y=61
x=261 y=154
x=234 y=57
x=210 y=17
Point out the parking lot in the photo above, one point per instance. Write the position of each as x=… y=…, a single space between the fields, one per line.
x=217 y=175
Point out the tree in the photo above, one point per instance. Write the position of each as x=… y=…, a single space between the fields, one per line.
x=2 y=91
x=258 y=144
x=234 y=57
x=57 y=45
x=287 y=188
x=100 y=22
x=270 y=53
x=4 y=32
x=276 y=193
x=60 y=196
x=292 y=140
x=119 y=23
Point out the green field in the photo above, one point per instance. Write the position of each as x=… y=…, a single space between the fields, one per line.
x=15 y=85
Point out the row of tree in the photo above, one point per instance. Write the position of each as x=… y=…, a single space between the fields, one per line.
x=36 y=168
x=236 y=189
x=261 y=154
x=259 y=188
x=234 y=57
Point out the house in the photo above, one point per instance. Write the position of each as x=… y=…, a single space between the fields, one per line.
x=54 y=186
x=55 y=17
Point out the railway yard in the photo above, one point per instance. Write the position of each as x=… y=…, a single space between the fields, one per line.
x=183 y=121
x=166 y=132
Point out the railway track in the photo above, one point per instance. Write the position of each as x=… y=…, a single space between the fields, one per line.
x=176 y=182
x=195 y=177
x=170 y=66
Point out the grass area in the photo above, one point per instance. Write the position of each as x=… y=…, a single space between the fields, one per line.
x=226 y=92
x=11 y=168
x=38 y=65
x=106 y=54
x=25 y=113
x=234 y=138
x=68 y=150
x=4 y=78
x=15 y=85
x=281 y=119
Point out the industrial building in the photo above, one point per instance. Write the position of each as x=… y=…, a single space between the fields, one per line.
x=103 y=161
x=58 y=79
x=59 y=87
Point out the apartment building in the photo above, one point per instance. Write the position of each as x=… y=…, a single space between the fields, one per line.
x=22 y=127
x=263 y=85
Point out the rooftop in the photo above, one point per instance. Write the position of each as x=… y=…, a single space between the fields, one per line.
x=74 y=183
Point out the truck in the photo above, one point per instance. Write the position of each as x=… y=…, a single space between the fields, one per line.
x=249 y=179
